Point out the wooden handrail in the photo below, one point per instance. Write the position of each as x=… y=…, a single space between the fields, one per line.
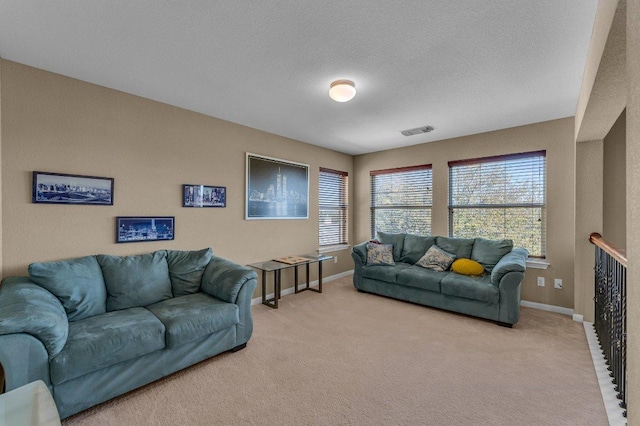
x=617 y=253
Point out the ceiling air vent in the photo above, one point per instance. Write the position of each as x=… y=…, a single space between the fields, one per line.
x=417 y=131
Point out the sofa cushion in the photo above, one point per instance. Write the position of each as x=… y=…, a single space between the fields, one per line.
x=379 y=254
x=414 y=247
x=397 y=240
x=461 y=247
x=190 y=317
x=107 y=339
x=384 y=273
x=436 y=259
x=467 y=267
x=489 y=252
x=186 y=269
x=419 y=277
x=476 y=288
x=77 y=283
x=135 y=280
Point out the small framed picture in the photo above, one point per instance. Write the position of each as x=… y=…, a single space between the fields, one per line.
x=59 y=188
x=204 y=196
x=135 y=229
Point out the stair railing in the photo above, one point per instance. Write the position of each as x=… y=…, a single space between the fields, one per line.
x=611 y=310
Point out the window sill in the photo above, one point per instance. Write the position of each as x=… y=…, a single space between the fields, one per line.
x=337 y=247
x=537 y=263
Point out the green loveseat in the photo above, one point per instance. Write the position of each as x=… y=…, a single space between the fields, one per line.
x=96 y=327
x=494 y=295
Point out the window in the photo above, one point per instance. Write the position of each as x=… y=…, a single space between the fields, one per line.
x=332 y=220
x=500 y=197
x=401 y=200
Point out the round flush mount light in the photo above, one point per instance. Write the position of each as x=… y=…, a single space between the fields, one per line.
x=342 y=90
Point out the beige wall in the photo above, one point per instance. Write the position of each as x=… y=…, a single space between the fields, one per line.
x=601 y=27
x=633 y=209
x=554 y=136
x=58 y=124
x=589 y=192
x=614 y=201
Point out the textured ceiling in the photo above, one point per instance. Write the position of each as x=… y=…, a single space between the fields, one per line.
x=462 y=67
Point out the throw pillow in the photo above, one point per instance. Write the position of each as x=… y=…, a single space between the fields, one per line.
x=186 y=269
x=436 y=259
x=134 y=281
x=467 y=267
x=379 y=254
x=77 y=283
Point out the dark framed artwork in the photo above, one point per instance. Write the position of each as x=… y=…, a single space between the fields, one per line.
x=204 y=196
x=59 y=188
x=135 y=229
x=276 y=189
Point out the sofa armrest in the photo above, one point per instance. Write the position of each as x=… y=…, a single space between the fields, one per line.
x=244 y=329
x=24 y=359
x=514 y=261
x=223 y=279
x=28 y=308
x=359 y=253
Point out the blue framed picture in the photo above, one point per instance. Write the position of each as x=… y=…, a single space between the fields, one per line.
x=59 y=188
x=136 y=229
x=204 y=196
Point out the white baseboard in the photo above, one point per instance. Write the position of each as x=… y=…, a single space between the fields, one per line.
x=578 y=318
x=611 y=403
x=314 y=283
x=545 y=307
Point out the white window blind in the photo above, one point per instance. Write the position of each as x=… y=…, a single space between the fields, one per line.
x=500 y=197
x=401 y=200
x=332 y=221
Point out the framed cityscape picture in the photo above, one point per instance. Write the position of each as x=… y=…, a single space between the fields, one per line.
x=136 y=229
x=276 y=189
x=204 y=196
x=59 y=188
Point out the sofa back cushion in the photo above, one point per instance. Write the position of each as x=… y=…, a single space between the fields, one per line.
x=414 y=247
x=77 y=283
x=489 y=252
x=397 y=240
x=186 y=269
x=134 y=281
x=461 y=247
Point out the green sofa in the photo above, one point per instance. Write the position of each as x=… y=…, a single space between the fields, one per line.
x=494 y=295
x=95 y=327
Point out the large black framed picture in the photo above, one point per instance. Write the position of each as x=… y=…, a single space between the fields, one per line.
x=135 y=229
x=276 y=189
x=60 y=188
x=204 y=196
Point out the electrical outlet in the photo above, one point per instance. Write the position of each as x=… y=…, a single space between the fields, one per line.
x=557 y=283
x=335 y=259
x=540 y=281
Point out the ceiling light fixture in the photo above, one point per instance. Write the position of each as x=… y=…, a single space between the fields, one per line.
x=342 y=90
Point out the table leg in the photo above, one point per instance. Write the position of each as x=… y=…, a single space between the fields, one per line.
x=272 y=302
x=295 y=281
x=279 y=289
x=320 y=277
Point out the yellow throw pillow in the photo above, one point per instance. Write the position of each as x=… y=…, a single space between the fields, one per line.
x=467 y=267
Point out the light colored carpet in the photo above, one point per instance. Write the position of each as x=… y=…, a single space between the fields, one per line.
x=348 y=358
